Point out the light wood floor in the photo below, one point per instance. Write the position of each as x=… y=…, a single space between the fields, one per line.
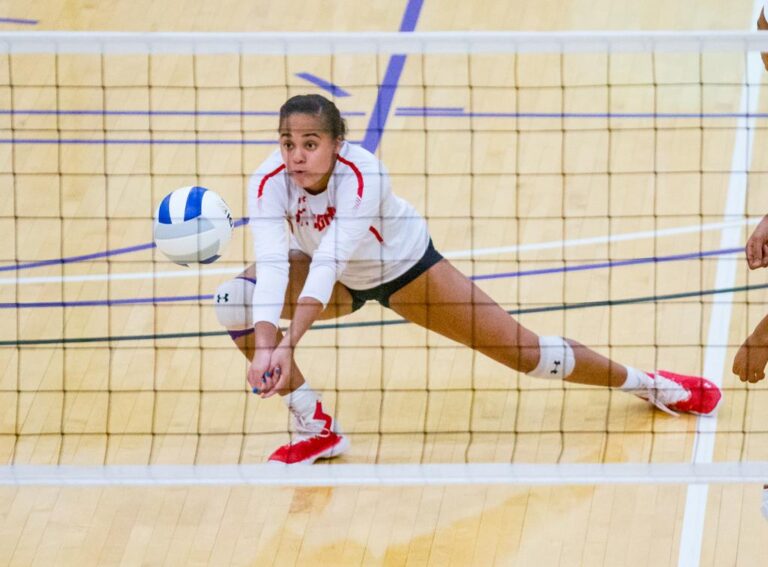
x=404 y=396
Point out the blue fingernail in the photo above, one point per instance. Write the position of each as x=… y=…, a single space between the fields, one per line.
x=255 y=390
x=268 y=374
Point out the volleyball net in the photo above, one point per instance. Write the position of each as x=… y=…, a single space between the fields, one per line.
x=598 y=185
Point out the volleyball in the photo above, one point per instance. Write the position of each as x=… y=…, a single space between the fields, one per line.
x=192 y=224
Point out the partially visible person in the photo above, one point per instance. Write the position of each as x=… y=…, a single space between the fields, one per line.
x=752 y=357
x=762 y=24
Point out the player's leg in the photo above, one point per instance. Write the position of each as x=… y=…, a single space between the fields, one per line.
x=317 y=434
x=445 y=301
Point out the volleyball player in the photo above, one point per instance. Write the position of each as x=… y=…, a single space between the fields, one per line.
x=348 y=240
x=752 y=357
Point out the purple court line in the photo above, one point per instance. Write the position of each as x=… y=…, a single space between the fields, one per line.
x=612 y=264
x=327 y=86
x=23 y=21
x=95 y=255
x=386 y=94
x=441 y=113
x=522 y=273
x=411 y=15
x=73 y=259
x=430 y=109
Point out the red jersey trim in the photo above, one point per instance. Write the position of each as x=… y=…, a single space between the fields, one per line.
x=376 y=234
x=359 y=175
x=266 y=178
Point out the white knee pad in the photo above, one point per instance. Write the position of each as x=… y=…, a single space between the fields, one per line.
x=232 y=301
x=556 y=360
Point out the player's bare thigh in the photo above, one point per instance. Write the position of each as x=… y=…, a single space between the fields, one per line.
x=445 y=301
x=339 y=305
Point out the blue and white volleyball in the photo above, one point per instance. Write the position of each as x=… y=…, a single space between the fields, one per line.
x=193 y=224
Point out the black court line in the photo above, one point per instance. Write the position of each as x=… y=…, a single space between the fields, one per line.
x=386 y=322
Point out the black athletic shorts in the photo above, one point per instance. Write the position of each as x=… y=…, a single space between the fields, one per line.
x=383 y=292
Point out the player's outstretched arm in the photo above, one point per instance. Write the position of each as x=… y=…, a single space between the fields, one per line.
x=752 y=357
x=757 y=246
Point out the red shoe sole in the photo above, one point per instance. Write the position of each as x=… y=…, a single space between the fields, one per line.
x=338 y=448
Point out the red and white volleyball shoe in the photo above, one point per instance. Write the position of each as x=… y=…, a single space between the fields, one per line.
x=316 y=438
x=676 y=393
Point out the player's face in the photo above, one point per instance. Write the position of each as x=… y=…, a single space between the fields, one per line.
x=309 y=152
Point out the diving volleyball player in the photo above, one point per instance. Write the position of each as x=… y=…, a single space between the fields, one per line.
x=329 y=234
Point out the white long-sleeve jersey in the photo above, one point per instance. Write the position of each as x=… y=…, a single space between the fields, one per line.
x=356 y=231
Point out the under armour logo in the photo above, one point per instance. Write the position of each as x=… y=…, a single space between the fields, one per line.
x=222 y=298
x=556 y=369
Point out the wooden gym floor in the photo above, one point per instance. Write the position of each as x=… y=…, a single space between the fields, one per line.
x=513 y=176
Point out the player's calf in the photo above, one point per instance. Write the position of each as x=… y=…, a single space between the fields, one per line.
x=668 y=391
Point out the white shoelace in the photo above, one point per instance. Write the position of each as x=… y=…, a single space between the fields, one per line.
x=307 y=427
x=665 y=392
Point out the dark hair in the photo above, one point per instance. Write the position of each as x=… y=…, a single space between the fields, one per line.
x=316 y=105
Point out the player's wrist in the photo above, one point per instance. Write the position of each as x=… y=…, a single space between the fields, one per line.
x=286 y=342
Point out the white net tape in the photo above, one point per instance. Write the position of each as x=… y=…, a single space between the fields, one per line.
x=291 y=43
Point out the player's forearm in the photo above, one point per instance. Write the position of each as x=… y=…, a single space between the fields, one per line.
x=762 y=23
x=307 y=311
x=763 y=224
x=265 y=335
x=760 y=335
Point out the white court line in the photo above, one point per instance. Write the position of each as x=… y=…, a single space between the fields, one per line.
x=454 y=255
x=189 y=273
x=625 y=237
x=385 y=475
x=720 y=319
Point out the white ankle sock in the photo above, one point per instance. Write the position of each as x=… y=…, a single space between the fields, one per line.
x=764 y=506
x=636 y=380
x=303 y=400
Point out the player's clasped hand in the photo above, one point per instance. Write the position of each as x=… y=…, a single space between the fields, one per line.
x=757 y=246
x=258 y=370
x=749 y=363
x=268 y=382
x=279 y=371
x=269 y=373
